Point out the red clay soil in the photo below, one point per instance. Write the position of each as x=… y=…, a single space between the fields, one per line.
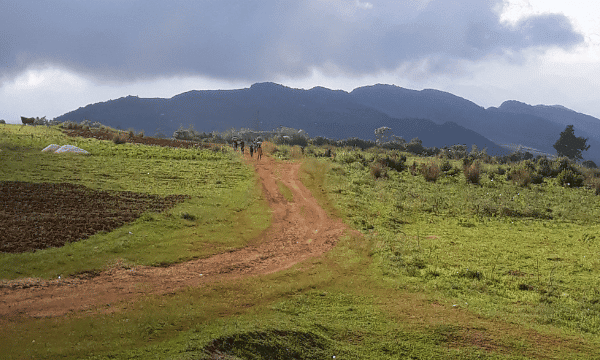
x=300 y=229
x=42 y=215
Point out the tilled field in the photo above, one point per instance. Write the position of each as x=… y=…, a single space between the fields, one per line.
x=39 y=216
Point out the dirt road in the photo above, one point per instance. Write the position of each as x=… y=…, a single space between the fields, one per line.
x=300 y=229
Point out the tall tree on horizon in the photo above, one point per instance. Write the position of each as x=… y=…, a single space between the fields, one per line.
x=569 y=145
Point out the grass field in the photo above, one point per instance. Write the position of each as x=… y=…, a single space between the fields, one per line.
x=225 y=205
x=537 y=267
x=442 y=270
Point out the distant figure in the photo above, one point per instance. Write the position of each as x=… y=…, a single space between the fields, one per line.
x=259 y=152
x=242 y=147
x=235 y=142
x=251 y=149
x=302 y=150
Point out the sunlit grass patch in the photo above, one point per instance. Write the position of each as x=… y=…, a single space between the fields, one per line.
x=468 y=240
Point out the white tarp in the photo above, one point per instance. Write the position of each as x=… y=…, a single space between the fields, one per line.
x=51 y=148
x=64 y=149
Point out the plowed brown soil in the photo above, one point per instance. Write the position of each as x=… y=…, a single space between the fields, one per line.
x=300 y=229
x=39 y=216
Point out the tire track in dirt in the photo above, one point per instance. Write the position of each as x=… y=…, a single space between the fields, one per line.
x=300 y=229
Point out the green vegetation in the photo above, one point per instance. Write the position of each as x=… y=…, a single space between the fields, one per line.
x=285 y=191
x=526 y=252
x=569 y=145
x=461 y=259
x=226 y=203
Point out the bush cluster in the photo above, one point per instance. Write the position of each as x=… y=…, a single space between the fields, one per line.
x=431 y=171
x=397 y=163
x=378 y=171
x=534 y=172
x=473 y=173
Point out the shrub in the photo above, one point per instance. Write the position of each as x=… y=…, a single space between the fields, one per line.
x=529 y=165
x=431 y=171
x=592 y=181
x=378 y=171
x=537 y=178
x=185 y=134
x=472 y=173
x=545 y=168
x=40 y=121
x=396 y=163
x=467 y=161
x=269 y=148
x=596 y=187
x=446 y=166
x=348 y=157
x=187 y=216
x=458 y=151
x=119 y=138
x=570 y=178
x=563 y=164
x=589 y=164
x=525 y=287
x=471 y=274
x=521 y=177
x=414 y=169
x=415 y=146
x=70 y=125
x=281 y=152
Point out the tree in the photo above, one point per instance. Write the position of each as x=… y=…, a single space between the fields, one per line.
x=415 y=146
x=570 y=146
x=382 y=134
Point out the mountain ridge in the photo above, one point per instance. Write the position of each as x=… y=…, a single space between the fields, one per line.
x=339 y=114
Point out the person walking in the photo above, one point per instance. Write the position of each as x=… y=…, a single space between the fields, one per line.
x=242 y=147
x=258 y=151
x=251 y=149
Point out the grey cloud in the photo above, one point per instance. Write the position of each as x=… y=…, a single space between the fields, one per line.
x=123 y=40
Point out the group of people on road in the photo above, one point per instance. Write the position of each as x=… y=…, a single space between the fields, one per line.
x=255 y=146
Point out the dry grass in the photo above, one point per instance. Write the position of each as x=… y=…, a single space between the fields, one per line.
x=473 y=173
x=378 y=171
x=269 y=148
x=431 y=171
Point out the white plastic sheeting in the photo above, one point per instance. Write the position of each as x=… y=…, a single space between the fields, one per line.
x=51 y=148
x=64 y=149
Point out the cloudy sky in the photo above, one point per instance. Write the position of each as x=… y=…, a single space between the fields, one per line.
x=58 y=55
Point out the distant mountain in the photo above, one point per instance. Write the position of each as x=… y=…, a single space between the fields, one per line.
x=513 y=122
x=437 y=118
